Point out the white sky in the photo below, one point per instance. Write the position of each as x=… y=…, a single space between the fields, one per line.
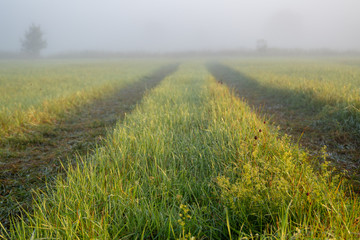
x=173 y=25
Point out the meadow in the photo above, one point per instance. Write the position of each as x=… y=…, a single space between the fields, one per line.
x=328 y=87
x=194 y=161
x=36 y=140
x=38 y=92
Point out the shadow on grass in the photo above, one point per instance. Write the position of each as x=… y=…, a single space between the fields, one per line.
x=339 y=117
x=310 y=121
x=31 y=163
x=303 y=100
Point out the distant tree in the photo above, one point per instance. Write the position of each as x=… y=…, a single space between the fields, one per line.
x=261 y=45
x=33 y=41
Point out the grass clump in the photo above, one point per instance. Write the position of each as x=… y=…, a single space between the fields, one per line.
x=193 y=162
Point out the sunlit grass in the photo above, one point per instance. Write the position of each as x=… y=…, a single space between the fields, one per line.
x=193 y=161
x=38 y=92
x=330 y=87
x=327 y=81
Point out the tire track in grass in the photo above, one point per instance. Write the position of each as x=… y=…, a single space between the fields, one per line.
x=186 y=164
x=29 y=165
x=300 y=123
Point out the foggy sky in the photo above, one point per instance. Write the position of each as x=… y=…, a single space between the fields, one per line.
x=177 y=25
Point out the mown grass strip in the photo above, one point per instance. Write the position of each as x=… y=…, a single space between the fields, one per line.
x=194 y=161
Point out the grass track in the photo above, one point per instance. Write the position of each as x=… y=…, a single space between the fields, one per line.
x=28 y=165
x=191 y=161
x=24 y=84
x=39 y=92
x=301 y=111
x=326 y=87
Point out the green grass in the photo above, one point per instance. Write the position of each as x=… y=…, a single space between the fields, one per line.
x=32 y=93
x=330 y=87
x=192 y=160
x=29 y=162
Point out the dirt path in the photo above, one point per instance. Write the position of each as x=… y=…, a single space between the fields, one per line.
x=301 y=124
x=29 y=165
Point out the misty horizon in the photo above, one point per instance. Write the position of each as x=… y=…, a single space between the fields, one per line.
x=172 y=26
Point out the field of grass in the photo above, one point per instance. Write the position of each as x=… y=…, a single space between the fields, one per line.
x=331 y=88
x=38 y=92
x=193 y=161
x=31 y=157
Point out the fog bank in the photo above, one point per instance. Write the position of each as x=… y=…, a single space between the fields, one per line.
x=181 y=25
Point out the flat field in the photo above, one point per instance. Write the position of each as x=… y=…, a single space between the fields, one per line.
x=37 y=92
x=317 y=101
x=197 y=159
x=331 y=87
x=68 y=116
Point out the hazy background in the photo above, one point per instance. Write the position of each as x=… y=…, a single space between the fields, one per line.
x=178 y=25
